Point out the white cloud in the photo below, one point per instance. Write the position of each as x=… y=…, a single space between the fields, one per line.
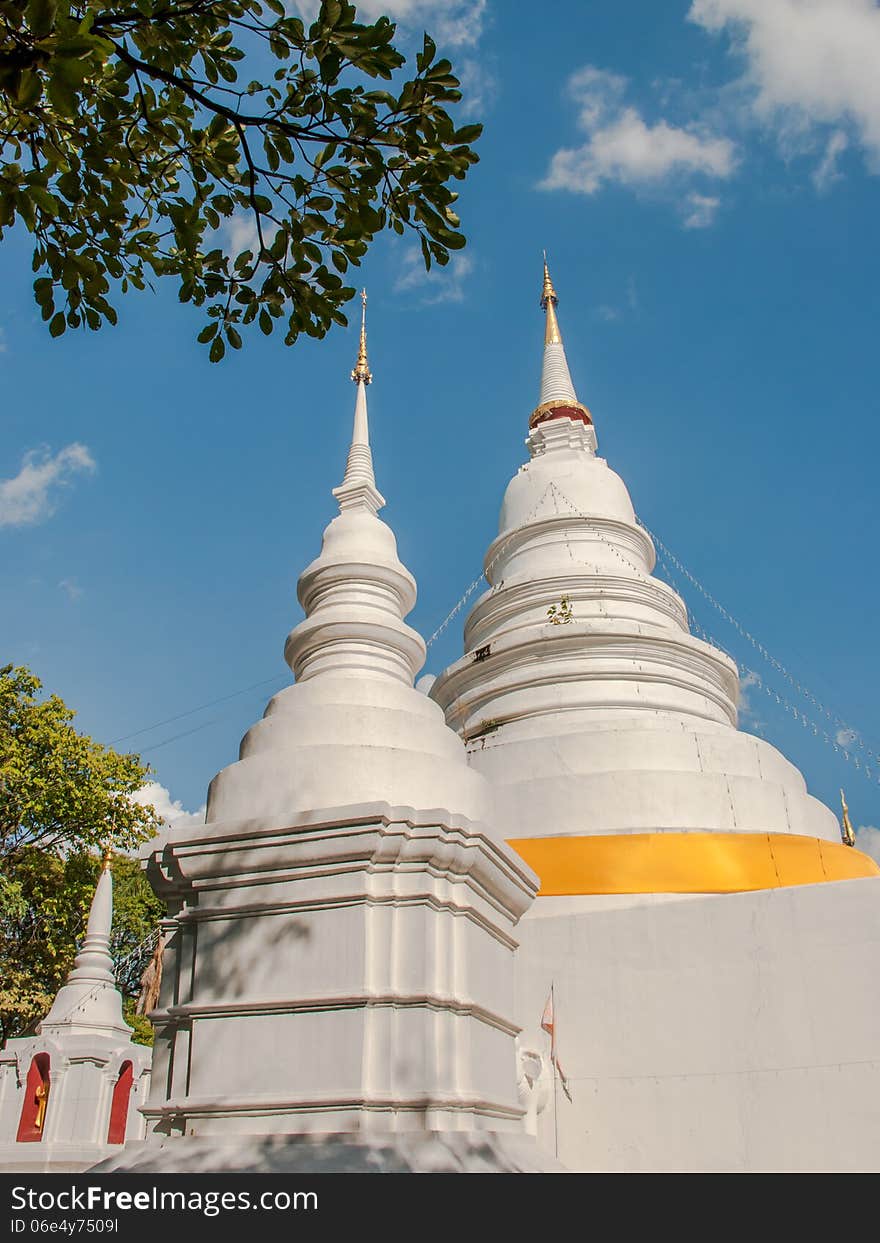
x=699 y=210
x=239 y=233
x=458 y=23
x=3 y=346
x=827 y=171
x=71 y=589
x=846 y=737
x=809 y=64
x=747 y=680
x=479 y=86
x=31 y=496
x=868 y=841
x=168 y=809
x=440 y=284
x=623 y=148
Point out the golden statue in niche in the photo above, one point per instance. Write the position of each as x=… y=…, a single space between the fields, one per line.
x=41 y=1095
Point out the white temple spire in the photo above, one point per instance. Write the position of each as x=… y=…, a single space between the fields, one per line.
x=558 y=397
x=90 y=998
x=358 y=488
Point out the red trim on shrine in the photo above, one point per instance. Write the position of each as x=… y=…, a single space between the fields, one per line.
x=119 y=1105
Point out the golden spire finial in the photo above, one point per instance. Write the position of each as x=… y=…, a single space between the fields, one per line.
x=106 y=858
x=362 y=370
x=549 y=301
x=548 y=293
x=847 y=834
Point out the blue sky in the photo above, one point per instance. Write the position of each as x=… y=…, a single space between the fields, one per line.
x=705 y=178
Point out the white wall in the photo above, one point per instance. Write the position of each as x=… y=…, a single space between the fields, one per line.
x=737 y=1032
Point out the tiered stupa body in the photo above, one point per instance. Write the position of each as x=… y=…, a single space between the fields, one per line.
x=339 y=961
x=69 y=1095
x=609 y=731
x=738 y=1029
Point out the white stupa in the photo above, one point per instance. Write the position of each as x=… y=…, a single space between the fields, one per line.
x=69 y=1094
x=609 y=731
x=337 y=987
x=710 y=943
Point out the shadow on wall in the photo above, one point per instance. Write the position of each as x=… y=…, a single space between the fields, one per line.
x=405 y=1153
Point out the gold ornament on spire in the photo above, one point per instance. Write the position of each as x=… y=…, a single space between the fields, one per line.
x=362 y=371
x=548 y=293
x=106 y=858
x=549 y=301
x=847 y=835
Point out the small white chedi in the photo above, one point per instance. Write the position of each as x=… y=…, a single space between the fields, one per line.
x=69 y=1094
x=337 y=985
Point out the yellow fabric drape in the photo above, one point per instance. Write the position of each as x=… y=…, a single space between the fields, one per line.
x=687 y=862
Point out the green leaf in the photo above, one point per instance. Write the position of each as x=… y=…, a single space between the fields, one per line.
x=467 y=134
x=61 y=95
x=30 y=88
x=218 y=349
x=44 y=200
x=58 y=324
x=41 y=16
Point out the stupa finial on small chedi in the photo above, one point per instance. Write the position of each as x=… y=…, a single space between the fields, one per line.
x=558 y=397
x=90 y=998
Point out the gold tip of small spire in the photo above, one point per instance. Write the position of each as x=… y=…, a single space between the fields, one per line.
x=362 y=371
x=847 y=834
x=106 y=859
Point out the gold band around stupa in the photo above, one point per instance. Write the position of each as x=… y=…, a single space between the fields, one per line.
x=687 y=862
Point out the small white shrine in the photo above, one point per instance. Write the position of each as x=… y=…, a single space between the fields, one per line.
x=69 y=1095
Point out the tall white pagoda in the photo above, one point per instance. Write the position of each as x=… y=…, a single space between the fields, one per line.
x=711 y=942
x=337 y=986
x=608 y=730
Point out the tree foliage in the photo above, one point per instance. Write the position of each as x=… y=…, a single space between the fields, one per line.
x=60 y=790
x=62 y=795
x=43 y=916
x=130 y=135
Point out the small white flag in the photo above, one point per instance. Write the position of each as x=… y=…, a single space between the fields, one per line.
x=548 y=1024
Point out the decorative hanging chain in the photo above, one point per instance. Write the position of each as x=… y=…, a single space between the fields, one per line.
x=871 y=761
x=853 y=735
x=475 y=584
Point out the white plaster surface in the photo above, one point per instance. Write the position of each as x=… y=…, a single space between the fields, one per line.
x=738 y=1032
